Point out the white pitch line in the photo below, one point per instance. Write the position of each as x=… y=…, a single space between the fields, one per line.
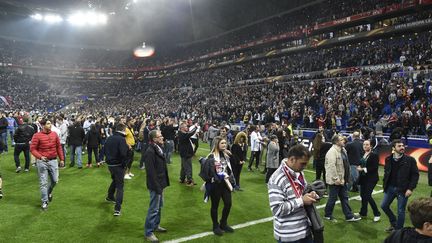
x=250 y=223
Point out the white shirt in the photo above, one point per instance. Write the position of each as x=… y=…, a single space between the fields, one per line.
x=256 y=141
x=195 y=136
x=56 y=130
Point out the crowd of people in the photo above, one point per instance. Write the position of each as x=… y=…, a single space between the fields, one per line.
x=24 y=53
x=52 y=120
x=285 y=161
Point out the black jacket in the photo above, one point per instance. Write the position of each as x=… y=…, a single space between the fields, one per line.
x=168 y=132
x=408 y=174
x=76 y=135
x=185 y=145
x=238 y=154
x=3 y=125
x=24 y=134
x=324 y=148
x=355 y=151
x=208 y=172
x=407 y=235
x=156 y=168
x=116 y=150
x=372 y=164
x=92 y=139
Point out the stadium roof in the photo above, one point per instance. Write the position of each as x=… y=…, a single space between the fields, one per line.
x=133 y=21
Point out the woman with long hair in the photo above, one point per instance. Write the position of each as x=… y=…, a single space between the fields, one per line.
x=320 y=149
x=238 y=158
x=368 y=179
x=284 y=141
x=220 y=172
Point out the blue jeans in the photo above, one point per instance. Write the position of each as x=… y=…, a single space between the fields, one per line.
x=154 y=213
x=334 y=193
x=3 y=137
x=389 y=196
x=78 y=151
x=168 y=150
x=48 y=177
x=11 y=132
x=308 y=239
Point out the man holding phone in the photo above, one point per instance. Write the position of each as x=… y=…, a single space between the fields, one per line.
x=286 y=188
x=45 y=147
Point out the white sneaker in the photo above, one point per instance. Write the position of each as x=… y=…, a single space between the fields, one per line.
x=376 y=218
x=127 y=177
x=131 y=175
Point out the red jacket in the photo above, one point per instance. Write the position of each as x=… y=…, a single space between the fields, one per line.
x=47 y=145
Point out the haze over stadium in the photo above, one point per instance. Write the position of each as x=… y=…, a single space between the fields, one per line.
x=136 y=91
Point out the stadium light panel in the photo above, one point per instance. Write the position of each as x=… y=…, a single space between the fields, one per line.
x=77 y=19
x=92 y=18
x=37 y=16
x=89 y=18
x=103 y=18
x=53 y=18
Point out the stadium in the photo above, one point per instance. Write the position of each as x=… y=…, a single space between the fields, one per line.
x=216 y=121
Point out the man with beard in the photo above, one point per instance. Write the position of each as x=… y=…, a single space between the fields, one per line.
x=401 y=176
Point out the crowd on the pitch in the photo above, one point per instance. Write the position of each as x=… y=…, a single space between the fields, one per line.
x=48 y=55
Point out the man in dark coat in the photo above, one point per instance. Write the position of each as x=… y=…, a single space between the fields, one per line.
x=22 y=138
x=186 y=149
x=116 y=151
x=3 y=131
x=75 y=141
x=401 y=176
x=157 y=180
x=355 y=153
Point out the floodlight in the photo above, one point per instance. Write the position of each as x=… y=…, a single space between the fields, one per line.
x=88 y=18
x=53 y=18
x=77 y=19
x=91 y=18
x=37 y=16
x=102 y=18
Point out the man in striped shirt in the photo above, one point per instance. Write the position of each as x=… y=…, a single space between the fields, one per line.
x=287 y=198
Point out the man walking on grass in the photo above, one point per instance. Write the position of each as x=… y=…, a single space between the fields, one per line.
x=116 y=151
x=157 y=180
x=45 y=147
x=401 y=176
x=337 y=176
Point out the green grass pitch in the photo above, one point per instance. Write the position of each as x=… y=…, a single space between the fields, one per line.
x=79 y=213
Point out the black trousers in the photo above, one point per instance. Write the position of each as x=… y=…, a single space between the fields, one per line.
x=320 y=170
x=130 y=156
x=117 y=176
x=144 y=147
x=254 y=155
x=89 y=154
x=17 y=151
x=237 y=168
x=269 y=173
x=219 y=191
x=366 y=190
